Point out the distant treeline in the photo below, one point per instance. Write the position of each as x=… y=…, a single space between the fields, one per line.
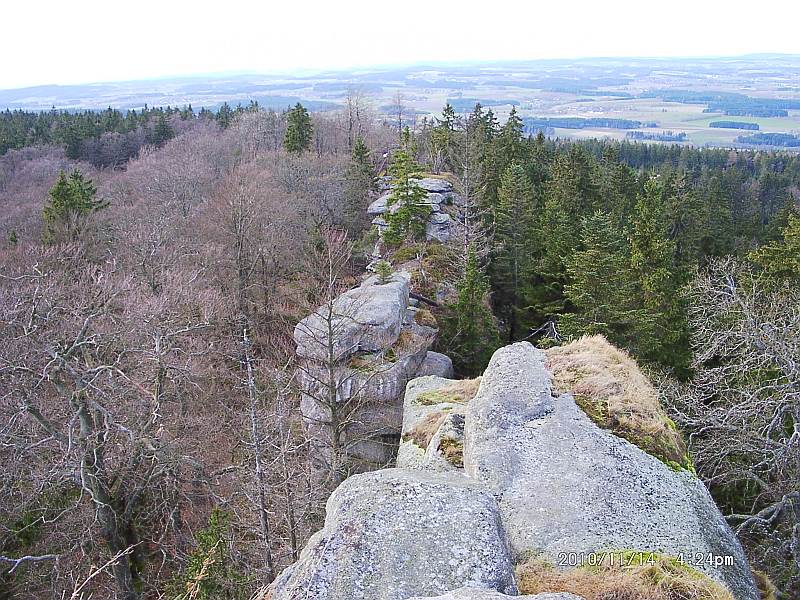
x=748 y=112
x=104 y=138
x=583 y=123
x=729 y=103
x=786 y=140
x=663 y=136
x=467 y=104
x=734 y=125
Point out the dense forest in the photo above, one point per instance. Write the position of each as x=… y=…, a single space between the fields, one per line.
x=150 y=422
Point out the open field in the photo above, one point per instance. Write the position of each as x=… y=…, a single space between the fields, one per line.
x=646 y=90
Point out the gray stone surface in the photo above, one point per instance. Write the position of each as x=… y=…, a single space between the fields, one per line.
x=438 y=228
x=436 y=363
x=379 y=206
x=474 y=593
x=393 y=534
x=433 y=184
x=410 y=455
x=367 y=318
x=565 y=485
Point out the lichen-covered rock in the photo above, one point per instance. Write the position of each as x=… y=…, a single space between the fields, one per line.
x=393 y=534
x=367 y=318
x=437 y=364
x=422 y=420
x=567 y=487
x=473 y=593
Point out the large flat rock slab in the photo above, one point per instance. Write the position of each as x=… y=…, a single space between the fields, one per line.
x=566 y=486
x=393 y=534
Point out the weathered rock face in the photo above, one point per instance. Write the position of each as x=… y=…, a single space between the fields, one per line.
x=431 y=429
x=393 y=534
x=367 y=318
x=439 y=194
x=361 y=349
x=487 y=480
x=566 y=486
x=437 y=364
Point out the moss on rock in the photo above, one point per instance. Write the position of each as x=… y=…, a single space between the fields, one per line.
x=458 y=392
x=609 y=387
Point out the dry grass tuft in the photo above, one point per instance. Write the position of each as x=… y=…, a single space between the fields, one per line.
x=623 y=576
x=453 y=451
x=423 y=431
x=766 y=589
x=425 y=317
x=458 y=392
x=608 y=385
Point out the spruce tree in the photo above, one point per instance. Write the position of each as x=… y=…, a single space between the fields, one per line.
x=469 y=332
x=408 y=214
x=513 y=228
x=298 y=130
x=511 y=140
x=359 y=182
x=601 y=291
x=224 y=115
x=661 y=334
x=781 y=259
x=162 y=131
x=72 y=199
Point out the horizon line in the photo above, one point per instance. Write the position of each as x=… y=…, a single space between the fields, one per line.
x=309 y=71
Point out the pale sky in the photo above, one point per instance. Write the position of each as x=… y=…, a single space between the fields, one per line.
x=83 y=41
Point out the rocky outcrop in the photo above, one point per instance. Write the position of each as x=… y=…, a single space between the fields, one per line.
x=439 y=195
x=356 y=356
x=495 y=471
x=394 y=534
x=566 y=486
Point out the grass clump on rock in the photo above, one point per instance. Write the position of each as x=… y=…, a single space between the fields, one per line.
x=423 y=431
x=621 y=575
x=608 y=385
x=457 y=392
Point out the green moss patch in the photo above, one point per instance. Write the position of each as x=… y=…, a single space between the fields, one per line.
x=453 y=451
x=457 y=392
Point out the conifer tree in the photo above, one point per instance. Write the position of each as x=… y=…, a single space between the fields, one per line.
x=72 y=199
x=470 y=332
x=408 y=214
x=781 y=259
x=513 y=228
x=298 y=130
x=443 y=140
x=359 y=182
x=661 y=334
x=511 y=140
x=224 y=115
x=601 y=291
x=162 y=131
x=570 y=195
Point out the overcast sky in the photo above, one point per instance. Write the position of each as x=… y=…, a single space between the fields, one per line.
x=81 y=41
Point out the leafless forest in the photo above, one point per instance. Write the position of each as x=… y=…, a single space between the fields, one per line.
x=147 y=359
